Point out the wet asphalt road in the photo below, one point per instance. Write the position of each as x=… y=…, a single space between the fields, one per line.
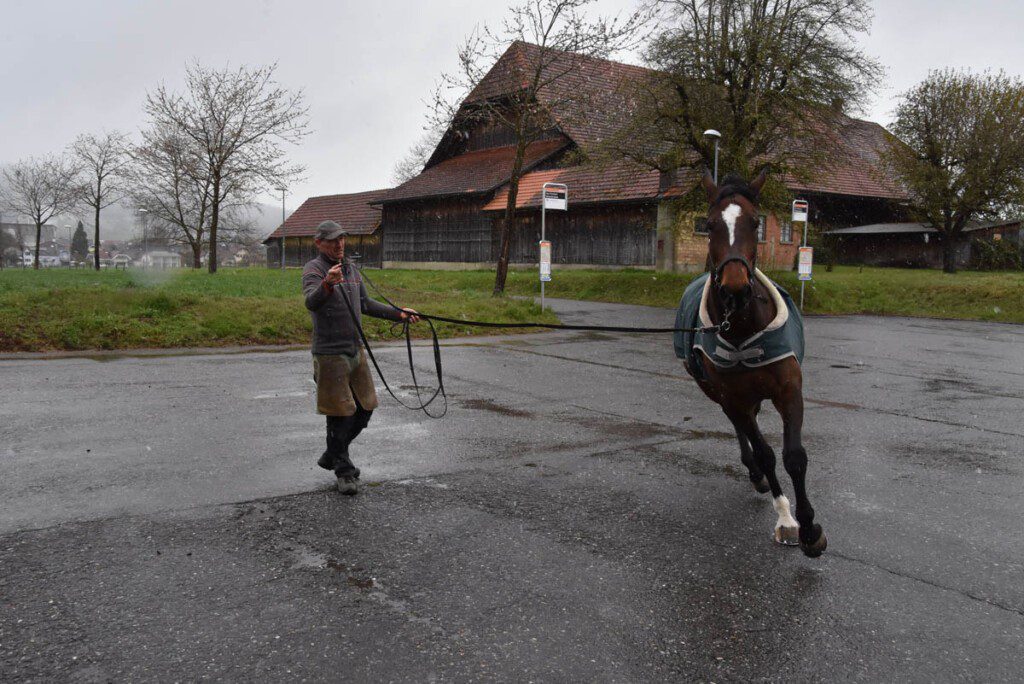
x=581 y=514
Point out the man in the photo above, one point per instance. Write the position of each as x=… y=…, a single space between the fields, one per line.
x=344 y=386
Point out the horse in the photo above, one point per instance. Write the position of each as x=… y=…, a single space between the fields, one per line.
x=738 y=298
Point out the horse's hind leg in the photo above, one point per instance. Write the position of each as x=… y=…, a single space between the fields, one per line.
x=791 y=406
x=757 y=477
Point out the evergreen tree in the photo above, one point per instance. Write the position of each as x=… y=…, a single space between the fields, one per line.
x=79 y=244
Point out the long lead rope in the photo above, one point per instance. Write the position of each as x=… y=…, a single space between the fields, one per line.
x=430 y=318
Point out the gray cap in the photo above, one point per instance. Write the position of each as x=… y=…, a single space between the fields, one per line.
x=329 y=230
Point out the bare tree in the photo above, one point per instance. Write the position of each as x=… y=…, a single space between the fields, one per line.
x=413 y=162
x=171 y=181
x=556 y=37
x=41 y=188
x=104 y=161
x=774 y=77
x=238 y=119
x=960 y=150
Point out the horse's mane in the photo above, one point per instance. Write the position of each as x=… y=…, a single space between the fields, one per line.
x=734 y=184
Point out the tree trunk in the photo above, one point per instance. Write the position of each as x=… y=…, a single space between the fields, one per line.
x=508 y=225
x=39 y=235
x=214 y=217
x=949 y=254
x=197 y=253
x=96 y=239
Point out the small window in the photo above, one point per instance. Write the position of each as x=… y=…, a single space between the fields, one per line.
x=760 y=229
x=785 y=231
x=700 y=225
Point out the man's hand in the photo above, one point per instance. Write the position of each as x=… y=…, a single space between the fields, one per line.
x=410 y=315
x=334 y=275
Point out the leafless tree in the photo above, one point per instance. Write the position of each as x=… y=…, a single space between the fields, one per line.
x=413 y=162
x=171 y=181
x=238 y=120
x=104 y=162
x=557 y=36
x=774 y=77
x=41 y=188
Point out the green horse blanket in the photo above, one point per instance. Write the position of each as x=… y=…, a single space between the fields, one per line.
x=783 y=337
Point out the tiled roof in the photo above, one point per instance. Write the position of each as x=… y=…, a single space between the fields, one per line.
x=352 y=212
x=856 y=169
x=473 y=172
x=622 y=181
x=602 y=80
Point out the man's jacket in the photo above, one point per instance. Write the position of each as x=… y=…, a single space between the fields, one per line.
x=333 y=329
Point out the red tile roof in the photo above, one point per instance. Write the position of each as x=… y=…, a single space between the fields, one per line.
x=352 y=212
x=473 y=172
x=856 y=170
x=622 y=181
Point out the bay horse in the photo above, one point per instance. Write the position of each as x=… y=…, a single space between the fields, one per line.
x=735 y=293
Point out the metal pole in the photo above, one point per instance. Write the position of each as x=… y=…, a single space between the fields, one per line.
x=542 y=218
x=282 y=229
x=716 y=161
x=807 y=224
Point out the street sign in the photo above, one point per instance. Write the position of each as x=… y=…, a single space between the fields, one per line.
x=556 y=198
x=545 y=261
x=805 y=262
x=799 y=211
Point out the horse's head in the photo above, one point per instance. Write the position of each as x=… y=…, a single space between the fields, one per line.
x=732 y=235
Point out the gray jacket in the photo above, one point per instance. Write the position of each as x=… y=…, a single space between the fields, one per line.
x=333 y=330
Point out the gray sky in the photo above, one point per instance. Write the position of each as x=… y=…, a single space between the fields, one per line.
x=366 y=67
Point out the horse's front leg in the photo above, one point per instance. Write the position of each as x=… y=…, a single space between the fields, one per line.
x=790 y=404
x=757 y=476
x=786 y=528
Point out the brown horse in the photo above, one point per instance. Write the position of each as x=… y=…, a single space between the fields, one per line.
x=739 y=295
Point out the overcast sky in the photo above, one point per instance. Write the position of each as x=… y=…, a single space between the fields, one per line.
x=366 y=68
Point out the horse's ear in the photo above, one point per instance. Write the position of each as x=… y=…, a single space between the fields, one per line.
x=709 y=185
x=758 y=182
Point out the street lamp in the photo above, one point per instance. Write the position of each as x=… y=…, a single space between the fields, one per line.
x=712 y=133
x=283 y=190
x=145 y=234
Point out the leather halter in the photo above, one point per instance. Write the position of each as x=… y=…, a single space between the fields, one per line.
x=716 y=274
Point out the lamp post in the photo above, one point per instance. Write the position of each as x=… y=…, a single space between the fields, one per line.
x=712 y=133
x=145 y=234
x=70 y=239
x=283 y=190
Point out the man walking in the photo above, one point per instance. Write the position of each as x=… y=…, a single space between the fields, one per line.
x=344 y=386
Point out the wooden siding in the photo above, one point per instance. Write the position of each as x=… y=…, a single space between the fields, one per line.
x=451 y=229
x=299 y=250
x=613 y=235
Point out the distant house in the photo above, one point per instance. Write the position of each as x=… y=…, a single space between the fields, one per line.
x=354 y=212
x=915 y=245
x=160 y=259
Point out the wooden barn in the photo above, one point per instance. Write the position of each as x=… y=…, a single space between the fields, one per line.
x=917 y=245
x=354 y=212
x=449 y=216
x=619 y=215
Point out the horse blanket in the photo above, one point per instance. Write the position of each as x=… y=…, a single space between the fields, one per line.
x=783 y=337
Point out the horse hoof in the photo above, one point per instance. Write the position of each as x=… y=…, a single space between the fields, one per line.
x=761 y=486
x=817 y=547
x=787 y=536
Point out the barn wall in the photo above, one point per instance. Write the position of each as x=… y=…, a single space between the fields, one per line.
x=612 y=235
x=437 y=230
x=299 y=250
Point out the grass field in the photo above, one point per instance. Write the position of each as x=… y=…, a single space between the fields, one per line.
x=55 y=309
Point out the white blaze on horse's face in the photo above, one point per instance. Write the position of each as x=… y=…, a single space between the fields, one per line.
x=731 y=213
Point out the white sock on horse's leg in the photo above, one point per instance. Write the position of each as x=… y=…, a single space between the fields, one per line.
x=786 y=518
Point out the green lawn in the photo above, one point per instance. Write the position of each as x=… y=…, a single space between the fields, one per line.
x=54 y=309
x=986 y=296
